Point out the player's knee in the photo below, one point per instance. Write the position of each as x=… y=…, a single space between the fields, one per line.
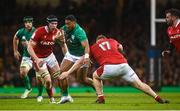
x=23 y=72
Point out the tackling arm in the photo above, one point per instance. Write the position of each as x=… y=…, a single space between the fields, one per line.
x=77 y=65
x=85 y=44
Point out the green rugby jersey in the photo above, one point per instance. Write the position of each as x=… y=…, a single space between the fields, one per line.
x=23 y=35
x=74 y=39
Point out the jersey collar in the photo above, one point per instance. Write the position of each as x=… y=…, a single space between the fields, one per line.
x=46 y=28
x=178 y=22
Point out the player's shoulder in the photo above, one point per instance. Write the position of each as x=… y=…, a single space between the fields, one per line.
x=41 y=29
x=113 y=40
x=79 y=29
x=21 y=30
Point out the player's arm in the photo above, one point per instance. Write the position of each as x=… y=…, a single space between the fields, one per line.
x=30 y=49
x=75 y=66
x=61 y=40
x=38 y=62
x=121 y=49
x=169 y=50
x=85 y=44
x=17 y=55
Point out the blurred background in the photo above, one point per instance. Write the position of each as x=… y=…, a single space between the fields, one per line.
x=128 y=21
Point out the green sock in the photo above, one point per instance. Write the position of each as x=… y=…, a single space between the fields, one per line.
x=27 y=82
x=65 y=93
x=40 y=89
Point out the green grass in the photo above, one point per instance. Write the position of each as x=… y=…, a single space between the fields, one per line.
x=84 y=101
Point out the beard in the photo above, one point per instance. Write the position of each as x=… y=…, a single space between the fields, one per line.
x=169 y=23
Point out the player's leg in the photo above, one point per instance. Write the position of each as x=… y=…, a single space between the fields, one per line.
x=133 y=79
x=82 y=76
x=137 y=83
x=46 y=80
x=55 y=72
x=98 y=84
x=40 y=88
x=65 y=66
x=25 y=66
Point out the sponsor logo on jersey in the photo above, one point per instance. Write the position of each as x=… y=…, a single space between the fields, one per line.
x=175 y=36
x=46 y=43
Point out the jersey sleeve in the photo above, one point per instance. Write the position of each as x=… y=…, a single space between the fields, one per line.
x=19 y=34
x=81 y=35
x=36 y=36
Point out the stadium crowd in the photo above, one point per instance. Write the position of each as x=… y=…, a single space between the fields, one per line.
x=125 y=20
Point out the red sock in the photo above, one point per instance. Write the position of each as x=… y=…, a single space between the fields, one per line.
x=50 y=92
x=101 y=97
x=158 y=98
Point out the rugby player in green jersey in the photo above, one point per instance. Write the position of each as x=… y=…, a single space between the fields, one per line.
x=78 y=48
x=22 y=37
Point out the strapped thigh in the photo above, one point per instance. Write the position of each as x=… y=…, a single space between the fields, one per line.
x=43 y=71
x=56 y=74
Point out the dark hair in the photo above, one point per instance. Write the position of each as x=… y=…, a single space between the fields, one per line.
x=28 y=19
x=100 y=37
x=174 y=12
x=71 y=18
x=51 y=18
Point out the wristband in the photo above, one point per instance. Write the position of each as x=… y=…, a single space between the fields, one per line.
x=86 y=55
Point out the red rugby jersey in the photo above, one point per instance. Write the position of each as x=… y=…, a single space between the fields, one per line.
x=105 y=51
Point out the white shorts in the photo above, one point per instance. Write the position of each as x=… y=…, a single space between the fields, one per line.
x=49 y=61
x=112 y=71
x=26 y=62
x=71 y=58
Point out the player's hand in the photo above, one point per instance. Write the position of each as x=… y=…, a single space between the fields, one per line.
x=60 y=36
x=17 y=55
x=166 y=52
x=64 y=75
x=86 y=62
x=38 y=63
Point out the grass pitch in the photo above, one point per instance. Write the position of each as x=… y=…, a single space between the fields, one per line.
x=84 y=101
